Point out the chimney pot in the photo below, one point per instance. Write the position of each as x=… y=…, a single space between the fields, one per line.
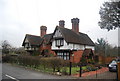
x=62 y=23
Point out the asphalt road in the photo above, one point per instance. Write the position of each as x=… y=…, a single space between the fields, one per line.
x=16 y=73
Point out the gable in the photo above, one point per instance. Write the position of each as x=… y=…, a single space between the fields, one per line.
x=75 y=38
x=26 y=40
x=33 y=40
x=88 y=52
x=57 y=33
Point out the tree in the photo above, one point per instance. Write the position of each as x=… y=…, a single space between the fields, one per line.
x=101 y=46
x=5 y=47
x=110 y=15
x=105 y=49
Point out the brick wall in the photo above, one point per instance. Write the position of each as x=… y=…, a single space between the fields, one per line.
x=77 y=56
x=43 y=47
x=106 y=60
x=47 y=47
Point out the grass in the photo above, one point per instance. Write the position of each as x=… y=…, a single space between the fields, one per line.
x=75 y=70
x=41 y=68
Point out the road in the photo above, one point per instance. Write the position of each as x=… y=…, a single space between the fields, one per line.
x=16 y=73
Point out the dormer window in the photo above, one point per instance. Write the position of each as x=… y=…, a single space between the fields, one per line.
x=59 y=42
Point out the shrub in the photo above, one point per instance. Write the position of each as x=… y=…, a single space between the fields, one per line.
x=6 y=58
x=55 y=63
x=44 y=62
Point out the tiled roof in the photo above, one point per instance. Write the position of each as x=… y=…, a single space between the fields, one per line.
x=73 y=37
x=33 y=40
x=47 y=38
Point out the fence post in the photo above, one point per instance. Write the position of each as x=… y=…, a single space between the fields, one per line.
x=80 y=72
x=70 y=68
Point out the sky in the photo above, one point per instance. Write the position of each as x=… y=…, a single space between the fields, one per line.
x=20 y=17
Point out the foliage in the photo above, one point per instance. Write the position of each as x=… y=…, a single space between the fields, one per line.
x=105 y=49
x=91 y=67
x=100 y=46
x=53 y=63
x=5 y=47
x=91 y=61
x=6 y=58
x=46 y=64
x=20 y=50
x=35 y=53
x=110 y=15
x=83 y=60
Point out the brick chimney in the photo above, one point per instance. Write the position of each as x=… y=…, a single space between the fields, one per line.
x=43 y=30
x=62 y=23
x=75 y=24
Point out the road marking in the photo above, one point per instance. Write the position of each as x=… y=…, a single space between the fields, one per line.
x=11 y=77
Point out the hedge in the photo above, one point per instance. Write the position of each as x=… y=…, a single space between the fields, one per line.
x=35 y=61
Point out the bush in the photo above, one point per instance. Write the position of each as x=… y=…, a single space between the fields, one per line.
x=32 y=61
x=6 y=58
x=91 y=67
x=55 y=63
x=43 y=63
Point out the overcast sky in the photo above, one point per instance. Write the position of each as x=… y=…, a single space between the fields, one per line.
x=20 y=17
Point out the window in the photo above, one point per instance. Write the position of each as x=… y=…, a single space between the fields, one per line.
x=27 y=45
x=59 y=42
x=63 y=55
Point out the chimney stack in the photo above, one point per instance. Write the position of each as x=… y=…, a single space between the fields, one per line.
x=43 y=30
x=75 y=24
x=62 y=23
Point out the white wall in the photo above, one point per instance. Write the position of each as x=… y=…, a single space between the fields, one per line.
x=29 y=48
x=70 y=46
x=57 y=34
x=91 y=47
x=26 y=40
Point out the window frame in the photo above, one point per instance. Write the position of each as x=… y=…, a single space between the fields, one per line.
x=63 y=55
x=59 y=42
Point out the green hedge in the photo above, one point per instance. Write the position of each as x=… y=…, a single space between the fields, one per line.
x=53 y=63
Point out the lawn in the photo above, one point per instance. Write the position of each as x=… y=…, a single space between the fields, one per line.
x=75 y=70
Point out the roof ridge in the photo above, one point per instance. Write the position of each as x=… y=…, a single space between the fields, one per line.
x=33 y=35
x=49 y=34
x=71 y=30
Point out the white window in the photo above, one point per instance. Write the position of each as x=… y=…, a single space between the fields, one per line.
x=59 y=42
